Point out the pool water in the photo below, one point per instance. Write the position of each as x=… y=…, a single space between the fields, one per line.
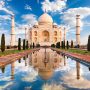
x=45 y=70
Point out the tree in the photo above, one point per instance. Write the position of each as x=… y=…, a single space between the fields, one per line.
x=19 y=44
x=23 y=44
x=30 y=45
x=26 y=44
x=3 y=43
x=53 y=45
x=88 y=45
x=62 y=44
x=33 y=45
x=67 y=45
x=72 y=44
x=58 y=45
x=37 y=45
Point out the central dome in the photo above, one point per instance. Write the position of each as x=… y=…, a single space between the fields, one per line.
x=45 y=18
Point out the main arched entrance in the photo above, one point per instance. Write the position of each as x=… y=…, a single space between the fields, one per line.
x=45 y=36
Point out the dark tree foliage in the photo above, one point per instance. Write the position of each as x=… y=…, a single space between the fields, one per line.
x=30 y=45
x=26 y=44
x=3 y=43
x=67 y=45
x=23 y=44
x=19 y=44
x=37 y=45
x=3 y=69
x=62 y=45
x=88 y=45
x=33 y=45
x=72 y=44
x=58 y=45
x=53 y=45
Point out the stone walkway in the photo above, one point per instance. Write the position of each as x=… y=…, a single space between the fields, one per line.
x=4 y=60
x=74 y=55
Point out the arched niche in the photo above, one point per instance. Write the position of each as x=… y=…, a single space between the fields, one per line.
x=35 y=39
x=55 y=39
x=45 y=36
x=55 y=33
x=35 y=33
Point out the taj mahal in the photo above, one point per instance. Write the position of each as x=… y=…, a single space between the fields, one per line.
x=45 y=32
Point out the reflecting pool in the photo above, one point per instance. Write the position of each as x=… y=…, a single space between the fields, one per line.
x=45 y=70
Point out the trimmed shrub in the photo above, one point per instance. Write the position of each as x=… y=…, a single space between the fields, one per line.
x=26 y=44
x=30 y=45
x=53 y=45
x=33 y=45
x=23 y=44
x=72 y=44
x=3 y=43
x=58 y=45
x=37 y=45
x=67 y=45
x=62 y=45
x=88 y=45
x=19 y=44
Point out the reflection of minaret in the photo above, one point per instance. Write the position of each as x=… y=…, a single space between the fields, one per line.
x=12 y=43
x=78 y=70
x=25 y=61
x=77 y=29
x=64 y=61
x=12 y=70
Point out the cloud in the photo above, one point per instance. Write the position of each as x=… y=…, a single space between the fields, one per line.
x=4 y=17
x=30 y=19
x=3 y=8
x=27 y=7
x=53 y=6
x=69 y=17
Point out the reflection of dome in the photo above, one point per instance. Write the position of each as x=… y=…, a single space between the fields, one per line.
x=45 y=73
x=45 y=18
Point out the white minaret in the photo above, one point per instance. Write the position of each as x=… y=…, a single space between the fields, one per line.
x=65 y=35
x=77 y=29
x=60 y=34
x=12 y=43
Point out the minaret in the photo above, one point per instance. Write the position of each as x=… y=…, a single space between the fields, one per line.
x=65 y=35
x=60 y=34
x=12 y=43
x=77 y=29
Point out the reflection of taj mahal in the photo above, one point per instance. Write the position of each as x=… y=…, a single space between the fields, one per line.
x=45 y=32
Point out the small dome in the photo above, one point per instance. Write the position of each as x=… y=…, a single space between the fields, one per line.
x=55 y=24
x=36 y=23
x=45 y=18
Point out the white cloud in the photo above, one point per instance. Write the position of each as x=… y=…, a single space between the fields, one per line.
x=30 y=19
x=53 y=6
x=69 y=17
x=3 y=8
x=27 y=7
x=4 y=17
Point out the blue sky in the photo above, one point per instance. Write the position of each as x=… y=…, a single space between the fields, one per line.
x=27 y=12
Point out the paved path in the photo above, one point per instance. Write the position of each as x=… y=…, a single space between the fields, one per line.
x=74 y=55
x=4 y=60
